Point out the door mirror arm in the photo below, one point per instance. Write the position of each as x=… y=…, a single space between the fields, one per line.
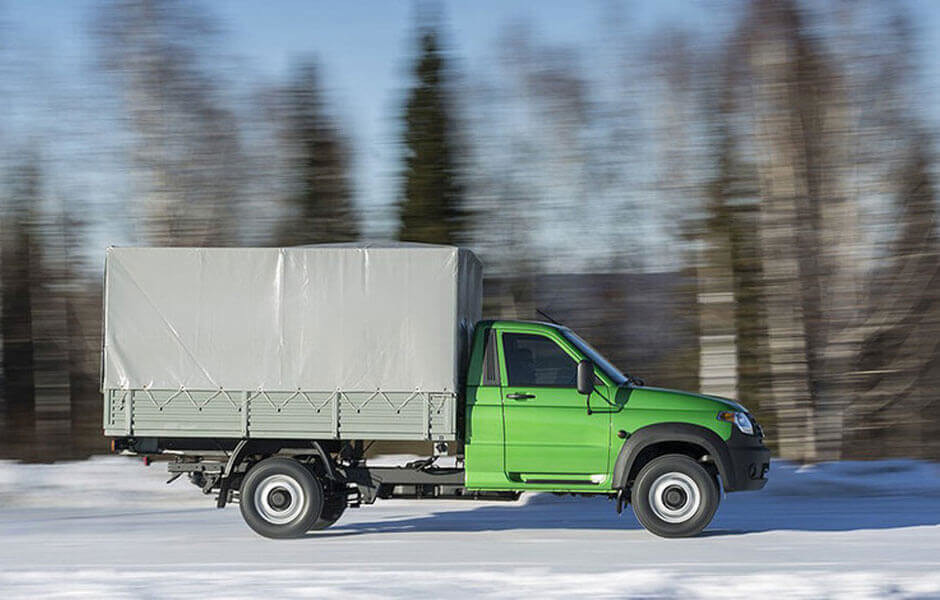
x=586 y=381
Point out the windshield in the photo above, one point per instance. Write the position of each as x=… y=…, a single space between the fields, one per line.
x=596 y=357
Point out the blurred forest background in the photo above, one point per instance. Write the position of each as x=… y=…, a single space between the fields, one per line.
x=748 y=211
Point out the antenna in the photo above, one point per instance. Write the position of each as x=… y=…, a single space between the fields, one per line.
x=547 y=316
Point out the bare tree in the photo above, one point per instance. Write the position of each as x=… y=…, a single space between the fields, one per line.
x=896 y=409
x=808 y=228
x=186 y=147
x=897 y=370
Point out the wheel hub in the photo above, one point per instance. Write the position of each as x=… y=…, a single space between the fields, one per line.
x=279 y=499
x=674 y=497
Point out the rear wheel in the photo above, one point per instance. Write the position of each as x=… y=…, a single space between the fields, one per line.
x=281 y=498
x=674 y=496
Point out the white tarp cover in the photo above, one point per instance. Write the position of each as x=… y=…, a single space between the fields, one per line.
x=394 y=317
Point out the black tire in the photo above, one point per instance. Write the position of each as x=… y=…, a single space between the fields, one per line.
x=674 y=496
x=281 y=498
x=333 y=509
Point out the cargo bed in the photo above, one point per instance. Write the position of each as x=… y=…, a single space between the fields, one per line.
x=319 y=342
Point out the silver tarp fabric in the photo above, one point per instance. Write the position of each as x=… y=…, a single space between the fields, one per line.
x=393 y=317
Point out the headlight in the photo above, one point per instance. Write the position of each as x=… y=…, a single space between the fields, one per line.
x=740 y=420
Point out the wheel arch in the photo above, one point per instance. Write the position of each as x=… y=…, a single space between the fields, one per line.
x=270 y=447
x=656 y=440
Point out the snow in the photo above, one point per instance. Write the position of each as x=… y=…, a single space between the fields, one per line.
x=110 y=527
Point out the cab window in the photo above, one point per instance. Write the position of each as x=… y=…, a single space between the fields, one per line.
x=490 y=364
x=535 y=360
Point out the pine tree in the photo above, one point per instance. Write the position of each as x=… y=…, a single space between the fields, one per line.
x=19 y=258
x=430 y=207
x=318 y=158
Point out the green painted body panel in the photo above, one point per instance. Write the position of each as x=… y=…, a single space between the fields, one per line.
x=483 y=457
x=549 y=442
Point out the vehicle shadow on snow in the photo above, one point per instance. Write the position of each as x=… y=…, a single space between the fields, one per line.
x=739 y=514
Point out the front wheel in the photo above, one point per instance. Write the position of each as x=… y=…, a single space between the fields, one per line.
x=281 y=498
x=674 y=496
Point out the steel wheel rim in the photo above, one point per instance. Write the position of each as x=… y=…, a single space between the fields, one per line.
x=279 y=499
x=674 y=497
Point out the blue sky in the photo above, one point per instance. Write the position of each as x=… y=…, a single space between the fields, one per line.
x=364 y=48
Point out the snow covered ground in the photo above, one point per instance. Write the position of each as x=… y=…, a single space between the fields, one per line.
x=111 y=528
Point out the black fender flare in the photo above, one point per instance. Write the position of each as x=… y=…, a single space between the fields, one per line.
x=328 y=465
x=247 y=446
x=644 y=437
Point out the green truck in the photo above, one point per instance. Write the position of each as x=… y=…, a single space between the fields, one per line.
x=265 y=376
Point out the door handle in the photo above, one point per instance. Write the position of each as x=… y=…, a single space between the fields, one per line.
x=519 y=396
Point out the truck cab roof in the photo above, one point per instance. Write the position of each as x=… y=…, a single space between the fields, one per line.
x=516 y=322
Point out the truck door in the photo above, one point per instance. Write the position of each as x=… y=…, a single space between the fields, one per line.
x=549 y=437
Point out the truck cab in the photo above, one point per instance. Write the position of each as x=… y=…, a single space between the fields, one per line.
x=530 y=428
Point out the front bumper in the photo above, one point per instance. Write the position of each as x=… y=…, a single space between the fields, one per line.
x=750 y=462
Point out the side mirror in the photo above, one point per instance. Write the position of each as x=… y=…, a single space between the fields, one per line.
x=585 y=377
x=586 y=381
